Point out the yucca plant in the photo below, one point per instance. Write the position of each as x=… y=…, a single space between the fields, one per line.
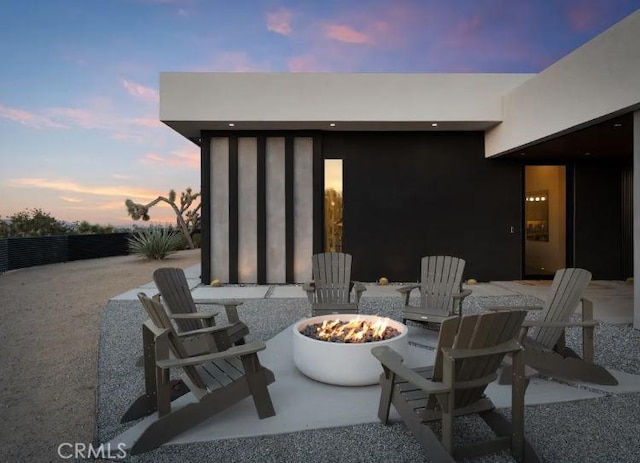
x=155 y=242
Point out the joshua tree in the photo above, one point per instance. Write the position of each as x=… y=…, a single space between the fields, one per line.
x=188 y=226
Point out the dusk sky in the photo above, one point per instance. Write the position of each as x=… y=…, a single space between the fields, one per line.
x=79 y=127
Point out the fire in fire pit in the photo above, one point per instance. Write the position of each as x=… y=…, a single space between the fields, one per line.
x=351 y=331
x=336 y=360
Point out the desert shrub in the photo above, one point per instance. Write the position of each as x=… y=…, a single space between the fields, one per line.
x=155 y=242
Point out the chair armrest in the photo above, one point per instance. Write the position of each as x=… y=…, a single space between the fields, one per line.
x=207 y=330
x=193 y=316
x=359 y=288
x=462 y=294
x=236 y=351
x=408 y=288
x=509 y=307
x=567 y=324
x=391 y=360
x=405 y=291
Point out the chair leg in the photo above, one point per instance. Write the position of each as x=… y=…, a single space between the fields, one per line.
x=258 y=386
x=517 y=406
x=387 y=380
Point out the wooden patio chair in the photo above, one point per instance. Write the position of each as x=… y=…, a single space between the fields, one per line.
x=330 y=290
x=181 y=308
x=217 y=379
x=544 y=338
x=440 y=287
x=470 y=350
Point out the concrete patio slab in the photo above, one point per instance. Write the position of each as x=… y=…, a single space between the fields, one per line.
x=302 y=403
x=229 y=292
x=287 y=292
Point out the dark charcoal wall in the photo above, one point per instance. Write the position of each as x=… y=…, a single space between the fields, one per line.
x=407 y=195
x=598 y=219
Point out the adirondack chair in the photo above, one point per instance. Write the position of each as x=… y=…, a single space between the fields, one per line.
x=470 y=350
x=544 y=339
x=217 y=379
x=330 y=290
x=177 y=297
x=441 y=292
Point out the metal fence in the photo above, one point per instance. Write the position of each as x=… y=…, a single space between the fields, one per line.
x=18 y=253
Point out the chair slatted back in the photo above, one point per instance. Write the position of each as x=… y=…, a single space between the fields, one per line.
x=332 y=275
x=564 y=296
x=441 y=276
x=158 y=316
x=477 y=331
x=174 y=289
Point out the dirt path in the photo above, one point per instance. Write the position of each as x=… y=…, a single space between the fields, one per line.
x=49 y=330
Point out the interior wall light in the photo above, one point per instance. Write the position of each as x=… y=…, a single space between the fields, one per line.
x=434 y=124
x=231 y=124
x=333 y=124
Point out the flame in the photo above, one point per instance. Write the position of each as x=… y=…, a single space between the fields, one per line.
x=355 y=330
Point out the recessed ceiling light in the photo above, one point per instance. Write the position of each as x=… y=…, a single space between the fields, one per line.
x=617 y=124
x=231 y=124
x=587 y=154
x=434 y=124
x=333 y=124
x=522 y=154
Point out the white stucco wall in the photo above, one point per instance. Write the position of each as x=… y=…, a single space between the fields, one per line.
x=598 y=79
x=324 y=97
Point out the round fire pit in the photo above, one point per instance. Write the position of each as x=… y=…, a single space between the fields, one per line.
x=343 y=364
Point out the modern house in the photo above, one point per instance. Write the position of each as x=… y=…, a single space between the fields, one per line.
x=519 y=174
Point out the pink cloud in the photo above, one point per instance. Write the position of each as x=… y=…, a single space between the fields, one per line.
x=147 y=122
x=73 y=187
x=346 y=34
x=279 y=21
x=70 y=200
x=187 y=157
x=29 y=119
x=141 y=92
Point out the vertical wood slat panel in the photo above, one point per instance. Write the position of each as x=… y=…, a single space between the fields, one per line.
x=276 y=211
x=318 y=196
x=261 y=204
x=247 y=210
x=219 y=174
x=233 y=210
x=205 y=210
x=289 y=208
x=303 y=208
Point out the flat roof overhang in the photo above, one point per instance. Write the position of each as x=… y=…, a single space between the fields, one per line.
x=192 y=129
x=193 y=102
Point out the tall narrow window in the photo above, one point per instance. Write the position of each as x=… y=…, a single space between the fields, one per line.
x=333 y=205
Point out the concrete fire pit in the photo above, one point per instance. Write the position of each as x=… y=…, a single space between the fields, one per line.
x=342 y=364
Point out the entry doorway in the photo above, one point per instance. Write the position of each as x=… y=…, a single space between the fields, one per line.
x=545 y=220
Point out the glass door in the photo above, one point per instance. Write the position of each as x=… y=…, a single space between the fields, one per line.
x=545 y=221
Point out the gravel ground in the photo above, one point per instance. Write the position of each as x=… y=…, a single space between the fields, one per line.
x=50 y=329
x=597 y=430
